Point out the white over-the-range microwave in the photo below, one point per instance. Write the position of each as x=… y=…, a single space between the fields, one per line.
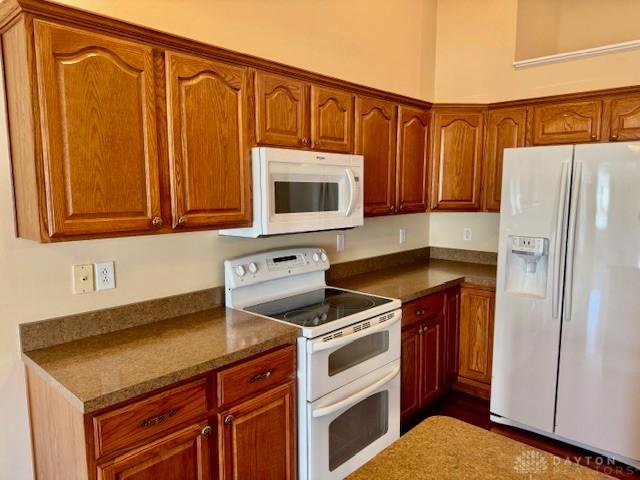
x=302 y=191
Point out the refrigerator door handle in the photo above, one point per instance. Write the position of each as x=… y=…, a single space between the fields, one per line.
x=560 y=247
x=571 y=242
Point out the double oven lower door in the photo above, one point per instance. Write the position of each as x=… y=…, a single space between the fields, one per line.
x=349 y=396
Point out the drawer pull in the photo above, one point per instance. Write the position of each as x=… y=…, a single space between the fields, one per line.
x=261 y=376
x=228 y=419
x=151 y=421
x=206 y=431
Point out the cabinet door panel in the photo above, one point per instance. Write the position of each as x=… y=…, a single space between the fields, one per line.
x=432 y=343
x=568 y=122
x=410 y=375
x=506 y=128
x=99 y=132
x=258 y=437
x=413 y=141
x=376 y=141
x=476 y=334
x=208 y=138
x=457 y=152
x=625 y=119
x=181 y=455
x=331 y=119
x=451 y=333
x=282 y=111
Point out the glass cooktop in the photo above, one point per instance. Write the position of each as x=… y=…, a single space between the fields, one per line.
x=318 y=306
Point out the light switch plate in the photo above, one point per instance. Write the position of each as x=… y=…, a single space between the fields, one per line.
x=105 y=276
x=82 y=279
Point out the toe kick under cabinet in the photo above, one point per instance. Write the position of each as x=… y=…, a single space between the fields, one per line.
x=234 y=423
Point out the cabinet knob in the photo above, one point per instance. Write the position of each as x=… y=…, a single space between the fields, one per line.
x=304 y=142
x=156 y=222
x=206 y=431
x=421 y=331
x=228 y=419
x=613 y=137
x=594 y=137
x=182 y=221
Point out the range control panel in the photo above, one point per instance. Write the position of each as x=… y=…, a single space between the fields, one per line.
x=261 y=267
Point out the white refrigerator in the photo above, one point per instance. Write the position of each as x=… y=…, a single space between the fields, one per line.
x=566 y=357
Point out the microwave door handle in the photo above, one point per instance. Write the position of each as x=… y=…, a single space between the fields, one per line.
x=338 y=342
x=356 y=397
x=352 y=191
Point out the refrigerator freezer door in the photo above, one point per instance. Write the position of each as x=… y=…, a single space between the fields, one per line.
x=535 y=191
x=599 y=375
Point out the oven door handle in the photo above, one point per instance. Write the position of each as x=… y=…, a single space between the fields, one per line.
x=352 y=192
x=356 y=397
x=338 y=342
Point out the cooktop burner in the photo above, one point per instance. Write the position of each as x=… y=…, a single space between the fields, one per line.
x=318 y=306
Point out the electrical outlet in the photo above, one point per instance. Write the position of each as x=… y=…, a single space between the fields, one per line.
x=403 y=235
x=105 y=276
x=340 y=242
x=82 y=279
x=467 y=234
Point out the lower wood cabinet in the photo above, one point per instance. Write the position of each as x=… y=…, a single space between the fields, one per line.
x=451 y=335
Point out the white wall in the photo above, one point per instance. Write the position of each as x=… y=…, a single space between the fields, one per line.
x=390 y=48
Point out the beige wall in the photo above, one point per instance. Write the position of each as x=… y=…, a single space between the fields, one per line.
x=475 y=48
x=446 y=230
x=390 y=47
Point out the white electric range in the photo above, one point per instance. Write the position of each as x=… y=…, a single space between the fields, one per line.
x=348 y=356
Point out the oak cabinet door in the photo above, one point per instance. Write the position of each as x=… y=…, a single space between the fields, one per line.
x=451 y=335
x=410 y=375
x=456 y=162
x=476 y=333
x=332 y=119
x=257 y=439
x=567 y=122
x=209 y=153
x=98 y=107
x=183 y=455
x=376 y=141
x=282 y=111
x=625 y=119
x=506 y=128
x=411 y=158
x=432 y=345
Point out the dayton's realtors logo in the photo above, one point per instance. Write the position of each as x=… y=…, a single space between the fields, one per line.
x=530 y=462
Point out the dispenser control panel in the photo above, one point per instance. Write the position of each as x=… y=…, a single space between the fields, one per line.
x=528 y=245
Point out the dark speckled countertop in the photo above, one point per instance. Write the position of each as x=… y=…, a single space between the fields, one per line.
x=409 y=282
x=102 y=370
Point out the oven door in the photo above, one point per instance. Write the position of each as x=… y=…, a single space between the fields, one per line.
x=311 y=196
x=351 y=353
x=350 y=426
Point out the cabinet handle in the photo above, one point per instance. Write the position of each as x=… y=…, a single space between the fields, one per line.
x=151 y=421
x=228 y=419
x=156 y=222
x=182 y=221
x=613 y=137
x=261 y=376
x=206 y=431
x=421 y=331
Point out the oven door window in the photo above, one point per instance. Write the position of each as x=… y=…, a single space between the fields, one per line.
x=303 y=197
x=357 y=428
x=357 y=352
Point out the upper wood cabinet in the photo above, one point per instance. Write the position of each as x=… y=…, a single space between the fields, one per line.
x=456 y=159
x=98 y=133
x=506 y=128
x=208 y=116
x=282 y=111
x=567 y=122
x=412 y=159
x=332 y=118
x=376 y=124
x=624 y=122
x=476 y=334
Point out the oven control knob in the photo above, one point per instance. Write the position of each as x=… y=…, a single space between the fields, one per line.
x=253 y=268
x=323 y=257
x=316 y=257
x=240 y=271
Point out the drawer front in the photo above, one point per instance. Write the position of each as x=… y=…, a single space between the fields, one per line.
x=255 y=376
x=124 y=427
x=422 y=308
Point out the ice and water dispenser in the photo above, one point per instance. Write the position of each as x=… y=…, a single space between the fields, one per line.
x=527 y=266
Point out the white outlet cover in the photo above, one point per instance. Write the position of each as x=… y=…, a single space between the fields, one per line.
x=403 y=235
x=340 y=242
x=82 y=279
x=105 y=276
x=467 y=234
